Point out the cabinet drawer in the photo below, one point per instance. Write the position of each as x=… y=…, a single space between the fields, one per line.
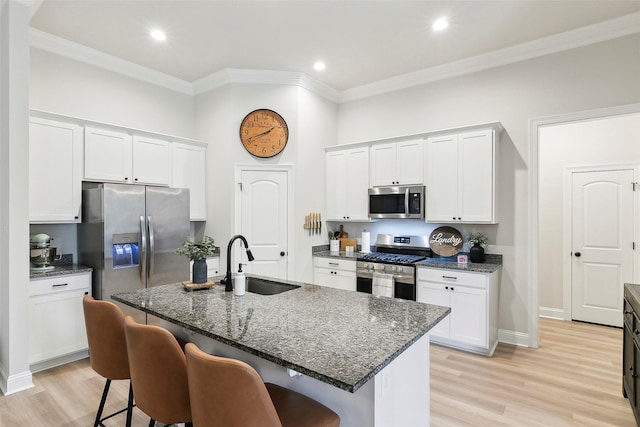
x=336 y=264
x=452 y=277
x=60 y=284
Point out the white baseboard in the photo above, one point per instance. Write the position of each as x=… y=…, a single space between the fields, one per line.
x=513 y=337
x=552 y=313
x=57 y=361
x=14 y=383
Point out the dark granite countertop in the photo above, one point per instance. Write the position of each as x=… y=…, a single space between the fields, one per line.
x=60 y=270
x=339 y=337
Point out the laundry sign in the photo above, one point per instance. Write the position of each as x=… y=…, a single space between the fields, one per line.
x=445 y=241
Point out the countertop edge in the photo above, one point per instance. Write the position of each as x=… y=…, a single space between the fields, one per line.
x=60 y=270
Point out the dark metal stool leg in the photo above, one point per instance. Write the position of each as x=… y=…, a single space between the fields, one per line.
x=102 y=402
x=152 y=422
x=130 y=405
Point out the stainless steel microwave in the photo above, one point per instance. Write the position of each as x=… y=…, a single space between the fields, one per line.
x=396 y=202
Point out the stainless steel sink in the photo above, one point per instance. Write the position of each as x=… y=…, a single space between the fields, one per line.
x=267 y=287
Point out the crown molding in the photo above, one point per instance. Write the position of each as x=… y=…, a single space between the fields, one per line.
x=603 y=31
x=63 y=47
x=607 y=30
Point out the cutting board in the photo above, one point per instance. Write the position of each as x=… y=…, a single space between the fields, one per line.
x=345 y=241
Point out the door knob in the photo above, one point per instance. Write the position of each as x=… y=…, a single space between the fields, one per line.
x=282 y=253
x=577 y=254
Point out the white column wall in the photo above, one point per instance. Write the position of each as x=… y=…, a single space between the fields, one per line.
x=14 y=178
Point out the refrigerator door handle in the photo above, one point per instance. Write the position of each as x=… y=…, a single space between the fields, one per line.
x=143 y=244
x=151 y=247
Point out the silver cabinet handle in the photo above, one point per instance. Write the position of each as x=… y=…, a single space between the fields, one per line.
x=450 y=277
x=59 y=285
x=334 y=263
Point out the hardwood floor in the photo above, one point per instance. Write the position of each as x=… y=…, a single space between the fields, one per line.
x=573 y=379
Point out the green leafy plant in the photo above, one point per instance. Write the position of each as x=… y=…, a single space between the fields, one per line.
x=478 y=238
x=197 y=250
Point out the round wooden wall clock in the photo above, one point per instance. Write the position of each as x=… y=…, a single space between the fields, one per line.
x=264 y=133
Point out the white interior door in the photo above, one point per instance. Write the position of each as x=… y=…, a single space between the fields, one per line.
x=602 y=244
x=264 y=221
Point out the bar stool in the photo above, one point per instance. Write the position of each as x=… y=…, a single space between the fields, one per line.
x=104 y=322
x=230 y=393
x=158 y=373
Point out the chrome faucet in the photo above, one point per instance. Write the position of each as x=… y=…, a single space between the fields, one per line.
x=227 y=282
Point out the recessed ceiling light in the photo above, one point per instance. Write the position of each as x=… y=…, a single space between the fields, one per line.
x=440 y=24
x=319 y=66
x=158 y=35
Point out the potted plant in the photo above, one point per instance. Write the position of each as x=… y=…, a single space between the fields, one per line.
x=198 y=253
x=476 y=252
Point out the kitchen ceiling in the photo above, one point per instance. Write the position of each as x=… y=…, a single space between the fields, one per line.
x=361 y=42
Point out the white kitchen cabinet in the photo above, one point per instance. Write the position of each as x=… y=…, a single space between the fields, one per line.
x=335 y=273
x=56 y=319
x=397 y=163
x=55 y=171
x=347 y=178
x=461 y=177
x=473 y=298
x=117 y=156
x=189 y=171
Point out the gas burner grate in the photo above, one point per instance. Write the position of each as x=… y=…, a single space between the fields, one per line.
x=391 y=258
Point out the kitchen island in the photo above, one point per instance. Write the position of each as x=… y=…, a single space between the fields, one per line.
x=363 y=356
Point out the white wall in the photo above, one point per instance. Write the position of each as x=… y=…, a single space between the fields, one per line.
x=601 y=75
x=311 y=121
x=608 y=141
x=65 y=86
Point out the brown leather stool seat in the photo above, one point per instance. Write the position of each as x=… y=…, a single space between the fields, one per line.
x=230 y=393
x=104 y=322
x=158 y=373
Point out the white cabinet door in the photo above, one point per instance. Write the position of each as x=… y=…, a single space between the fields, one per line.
x=347 y=177
x=383 y=165
x=435 y=293
x=323 y=277
x=476 y=176
x=410 y=162
x=107 y=155
x=469 y=315
x=55 y=171
x=345 y=280
x=189 y=171
x=442 y=178
x=151 y=161
x=397 y=163
x=461 y=170
x=56 y=317
x=336 y=177
x=358 y=184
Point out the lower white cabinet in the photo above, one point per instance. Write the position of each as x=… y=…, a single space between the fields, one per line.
x=56 y=319
x=335 y=273
x=472 y=324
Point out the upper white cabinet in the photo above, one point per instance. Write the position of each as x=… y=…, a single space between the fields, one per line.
x=347 y=178
x=55 y=171
x=117 y=156
x=397 y=163
x=189 y=171
x=461 y=177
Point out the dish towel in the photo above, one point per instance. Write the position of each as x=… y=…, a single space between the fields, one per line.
x=382 y=284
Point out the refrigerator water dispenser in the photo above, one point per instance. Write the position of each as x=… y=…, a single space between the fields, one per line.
x=125 y=250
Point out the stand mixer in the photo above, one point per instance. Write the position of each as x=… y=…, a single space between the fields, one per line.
x=41 y=253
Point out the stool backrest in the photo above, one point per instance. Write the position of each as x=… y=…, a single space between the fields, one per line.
x=158 y=372
x=104 y=322
x=228 y=391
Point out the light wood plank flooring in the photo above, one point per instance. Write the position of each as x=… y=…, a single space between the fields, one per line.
x=573 y=379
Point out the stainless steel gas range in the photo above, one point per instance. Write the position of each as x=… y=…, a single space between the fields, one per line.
x=390 y=270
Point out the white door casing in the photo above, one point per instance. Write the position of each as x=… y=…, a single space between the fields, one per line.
x=264 y=221
x=601 y=242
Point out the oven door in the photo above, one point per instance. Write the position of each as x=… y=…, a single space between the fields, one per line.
x=403 y=286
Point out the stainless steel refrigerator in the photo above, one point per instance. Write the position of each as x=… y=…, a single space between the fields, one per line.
x=129 y=235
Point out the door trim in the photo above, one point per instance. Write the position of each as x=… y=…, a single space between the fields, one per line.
x=534 y=152
x=567 y=223
x=237 y=219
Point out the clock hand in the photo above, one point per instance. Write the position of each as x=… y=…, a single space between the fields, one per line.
x=260 y=134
